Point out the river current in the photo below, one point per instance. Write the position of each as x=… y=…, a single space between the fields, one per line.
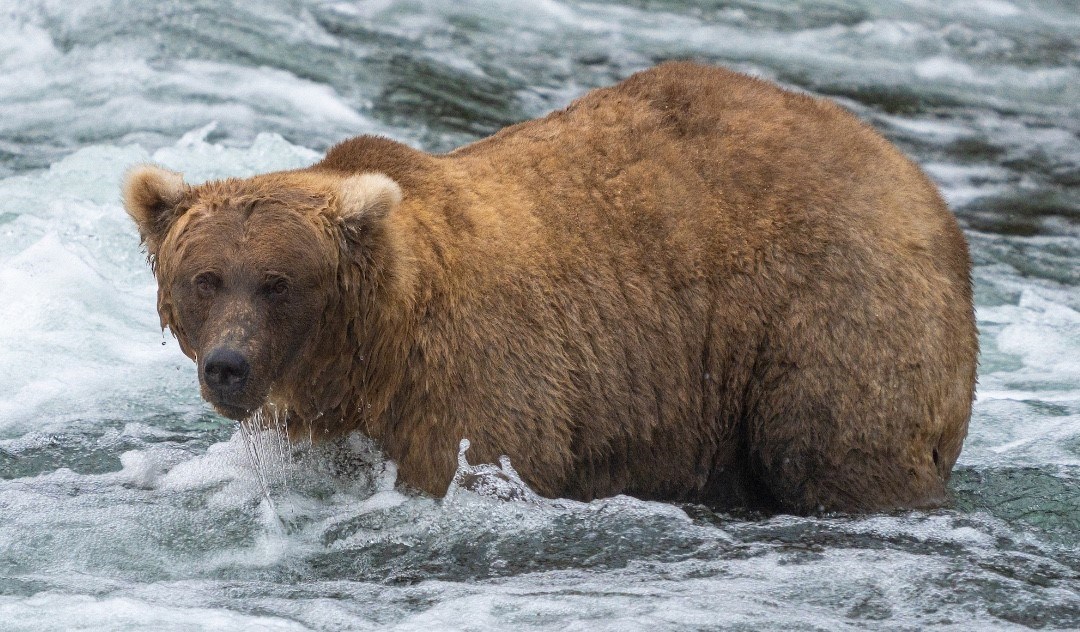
x=126 y=503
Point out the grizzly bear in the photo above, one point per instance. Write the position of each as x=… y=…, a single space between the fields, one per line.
x=693 y=285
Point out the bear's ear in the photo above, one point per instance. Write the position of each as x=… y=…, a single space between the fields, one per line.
x=367 y=198
x=363 y=202
x=154 y=198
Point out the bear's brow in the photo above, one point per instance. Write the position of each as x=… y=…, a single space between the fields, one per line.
x=249 y=195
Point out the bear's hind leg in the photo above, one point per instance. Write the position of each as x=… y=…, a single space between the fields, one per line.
x=833 y=436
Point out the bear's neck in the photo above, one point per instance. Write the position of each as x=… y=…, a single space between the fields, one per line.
x=352 y=376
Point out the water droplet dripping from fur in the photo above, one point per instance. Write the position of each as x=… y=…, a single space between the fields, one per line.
x=266 y=441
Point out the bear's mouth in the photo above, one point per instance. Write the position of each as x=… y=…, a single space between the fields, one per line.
x=239 y=406
x=236 y=406
x=236 y=413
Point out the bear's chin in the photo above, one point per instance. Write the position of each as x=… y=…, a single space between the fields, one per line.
x=236 y=413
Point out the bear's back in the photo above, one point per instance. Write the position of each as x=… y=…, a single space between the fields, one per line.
x=769 y=166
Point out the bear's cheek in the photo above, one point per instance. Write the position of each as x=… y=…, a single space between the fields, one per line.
x=290 y=328
x=185 y=318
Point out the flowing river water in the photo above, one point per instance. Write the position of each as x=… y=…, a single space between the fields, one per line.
x=126 y=503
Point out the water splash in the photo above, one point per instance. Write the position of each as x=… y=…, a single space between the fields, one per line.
x=487 y=479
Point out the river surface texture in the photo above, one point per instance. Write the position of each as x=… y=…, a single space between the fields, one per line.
x=127 y=503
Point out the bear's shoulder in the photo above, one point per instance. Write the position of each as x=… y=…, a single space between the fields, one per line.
x=378 y=154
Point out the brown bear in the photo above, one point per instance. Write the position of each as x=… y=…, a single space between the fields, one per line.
x=693 y=285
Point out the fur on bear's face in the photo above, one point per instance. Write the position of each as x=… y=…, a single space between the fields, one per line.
x=247 y=269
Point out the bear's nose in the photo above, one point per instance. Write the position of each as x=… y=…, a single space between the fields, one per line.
x=226 y=371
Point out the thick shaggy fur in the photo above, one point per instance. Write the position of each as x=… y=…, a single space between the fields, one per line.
x=692 y=285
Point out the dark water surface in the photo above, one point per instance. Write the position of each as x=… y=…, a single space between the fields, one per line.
x=126 y=504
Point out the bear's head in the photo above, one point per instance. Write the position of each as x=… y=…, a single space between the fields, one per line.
x=253 y=274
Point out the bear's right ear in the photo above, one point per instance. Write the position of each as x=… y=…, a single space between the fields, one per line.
x=154 y=198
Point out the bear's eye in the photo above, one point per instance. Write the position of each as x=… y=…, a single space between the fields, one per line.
x=207 y=283
x=276 y=286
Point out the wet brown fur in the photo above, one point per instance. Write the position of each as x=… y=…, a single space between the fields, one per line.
x=692 y=285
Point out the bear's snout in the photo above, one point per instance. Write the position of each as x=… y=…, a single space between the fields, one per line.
x=226 y=373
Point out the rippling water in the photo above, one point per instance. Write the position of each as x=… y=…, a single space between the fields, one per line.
x=126 y=503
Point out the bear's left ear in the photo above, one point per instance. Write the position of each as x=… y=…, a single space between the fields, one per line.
x=364 y=201
x=154 y=198
x=363 y=206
